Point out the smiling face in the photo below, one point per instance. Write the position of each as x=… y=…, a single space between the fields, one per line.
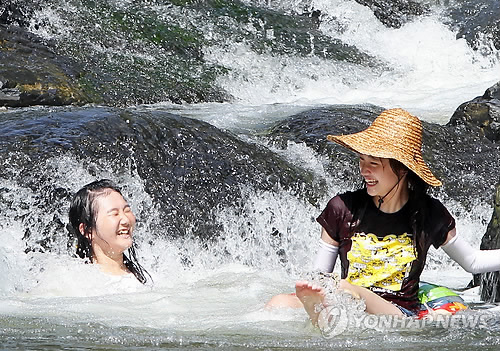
x=378 y=174
x=114 y=225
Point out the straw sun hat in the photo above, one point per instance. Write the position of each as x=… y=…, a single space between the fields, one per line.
x=396 y=134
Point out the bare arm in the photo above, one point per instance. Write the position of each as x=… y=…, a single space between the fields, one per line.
x=451 y=234
x=327 y=239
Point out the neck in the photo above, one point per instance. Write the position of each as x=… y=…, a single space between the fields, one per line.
x=110 y=263
x=394 y=200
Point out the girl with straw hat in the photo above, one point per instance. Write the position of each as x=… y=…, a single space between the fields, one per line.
x=382 y=233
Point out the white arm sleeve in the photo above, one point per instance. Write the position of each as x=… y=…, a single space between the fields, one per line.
x=325 y=257
x=472 y=260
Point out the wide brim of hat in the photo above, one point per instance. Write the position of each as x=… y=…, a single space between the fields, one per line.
x=364 y=143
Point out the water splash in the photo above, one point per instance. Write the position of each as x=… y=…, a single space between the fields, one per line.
x=425 y=69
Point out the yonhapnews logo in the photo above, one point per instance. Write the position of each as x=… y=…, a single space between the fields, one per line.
x=334 y=320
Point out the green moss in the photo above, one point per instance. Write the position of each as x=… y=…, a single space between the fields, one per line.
x=139 y=24
x=90 y=90
x=153 y=51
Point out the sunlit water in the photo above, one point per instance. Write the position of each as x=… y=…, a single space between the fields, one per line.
x=431 y=72
x=53 y=301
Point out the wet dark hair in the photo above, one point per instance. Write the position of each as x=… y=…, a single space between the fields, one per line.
x=83 y=210
x=417 y=201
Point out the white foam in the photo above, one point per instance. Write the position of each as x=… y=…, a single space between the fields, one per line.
x=269 y=238
x=427 y=70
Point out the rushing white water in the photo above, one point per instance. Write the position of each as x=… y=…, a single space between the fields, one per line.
x=428 y=71
x=217 y=301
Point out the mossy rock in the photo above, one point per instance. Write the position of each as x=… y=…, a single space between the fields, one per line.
x=31 y=74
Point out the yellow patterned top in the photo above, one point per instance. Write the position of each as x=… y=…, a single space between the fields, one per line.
x=380 y=263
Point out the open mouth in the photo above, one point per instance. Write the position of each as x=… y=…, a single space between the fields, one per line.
x=124 y=232
x=370 y=182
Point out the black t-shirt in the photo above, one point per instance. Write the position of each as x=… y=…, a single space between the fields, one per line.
x=377 y=250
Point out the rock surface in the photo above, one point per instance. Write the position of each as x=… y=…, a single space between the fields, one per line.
x=482 y=116
x=190 y=169
x=32 y=74
x=395 y=13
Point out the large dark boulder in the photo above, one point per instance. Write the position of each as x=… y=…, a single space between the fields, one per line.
x=190 y=169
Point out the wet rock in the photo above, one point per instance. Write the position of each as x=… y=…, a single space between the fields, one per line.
x=31 y=73
x=395 y=13
x=482 y=114
x=190 y=169
x=111 y=50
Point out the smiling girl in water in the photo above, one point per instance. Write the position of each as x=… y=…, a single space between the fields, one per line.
x=382 y=233
x=103 y=223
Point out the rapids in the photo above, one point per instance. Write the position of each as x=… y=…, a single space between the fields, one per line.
x=226 y=217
